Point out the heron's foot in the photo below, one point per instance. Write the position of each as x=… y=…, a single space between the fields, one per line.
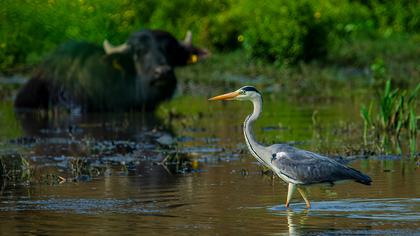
x=287 y=205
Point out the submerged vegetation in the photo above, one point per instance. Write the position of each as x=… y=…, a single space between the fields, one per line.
x=105 y=158
x=15 y=168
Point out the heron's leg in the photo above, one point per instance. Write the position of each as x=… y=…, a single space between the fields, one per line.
x=290 y=191
x=305 y=197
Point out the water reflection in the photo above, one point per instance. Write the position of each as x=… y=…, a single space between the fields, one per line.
x=98 y=125
x=296 y=221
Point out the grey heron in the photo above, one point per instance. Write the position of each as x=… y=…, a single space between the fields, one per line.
x=298 y=168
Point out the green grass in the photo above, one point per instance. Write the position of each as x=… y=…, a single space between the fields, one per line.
x=394 y=113
x=15 y=168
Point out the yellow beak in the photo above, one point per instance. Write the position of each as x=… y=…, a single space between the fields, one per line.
x=226 y=96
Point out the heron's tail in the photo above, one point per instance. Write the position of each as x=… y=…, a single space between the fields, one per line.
x=360 y=177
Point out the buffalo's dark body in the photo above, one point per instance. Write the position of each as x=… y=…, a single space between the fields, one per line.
x=81 y=76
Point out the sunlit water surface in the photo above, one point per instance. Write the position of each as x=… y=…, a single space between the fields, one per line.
x=224 y=193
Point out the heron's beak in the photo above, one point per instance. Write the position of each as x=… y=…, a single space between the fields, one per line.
x=226 y=96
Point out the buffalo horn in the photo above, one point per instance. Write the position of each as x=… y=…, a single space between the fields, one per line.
x=188 y=38
x=110 y=49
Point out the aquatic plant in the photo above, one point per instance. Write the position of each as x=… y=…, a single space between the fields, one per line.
x=15 y=168
x=366 y=115
x=178 y=163
x=390 y=109
x=396 y=111
x=412 y=127
x=82 y=169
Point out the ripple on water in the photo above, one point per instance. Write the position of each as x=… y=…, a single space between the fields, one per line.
x=395 y=209
x=89 y=206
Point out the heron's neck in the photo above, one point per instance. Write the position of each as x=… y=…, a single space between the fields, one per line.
x=253 y=145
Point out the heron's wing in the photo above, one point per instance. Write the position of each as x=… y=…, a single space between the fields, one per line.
x=307 y=167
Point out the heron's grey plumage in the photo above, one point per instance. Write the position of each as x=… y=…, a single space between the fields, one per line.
x=306 y=167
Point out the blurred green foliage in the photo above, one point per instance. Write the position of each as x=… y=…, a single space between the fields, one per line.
x=278 y=31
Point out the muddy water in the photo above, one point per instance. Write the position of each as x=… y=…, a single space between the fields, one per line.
x=223 y=191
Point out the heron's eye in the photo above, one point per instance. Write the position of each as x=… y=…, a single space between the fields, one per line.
x=242 y=92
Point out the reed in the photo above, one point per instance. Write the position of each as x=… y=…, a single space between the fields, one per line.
x=395 y=113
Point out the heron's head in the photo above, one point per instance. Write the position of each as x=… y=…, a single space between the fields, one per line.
x=244 y=93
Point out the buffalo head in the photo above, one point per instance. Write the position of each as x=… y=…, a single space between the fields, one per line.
x=154 y=54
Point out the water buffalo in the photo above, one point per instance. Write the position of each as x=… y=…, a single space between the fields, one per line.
x=136 y=75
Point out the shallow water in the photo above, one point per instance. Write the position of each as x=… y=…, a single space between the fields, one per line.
x=222 y=191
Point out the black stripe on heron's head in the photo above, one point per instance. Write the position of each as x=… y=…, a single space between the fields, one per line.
x=250 y=88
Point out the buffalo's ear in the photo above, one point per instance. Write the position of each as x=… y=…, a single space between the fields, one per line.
x=195 y=54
